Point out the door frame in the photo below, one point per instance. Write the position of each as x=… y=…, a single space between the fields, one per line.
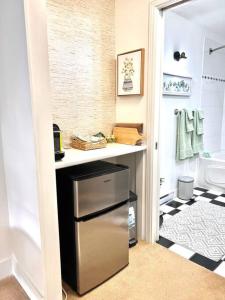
x=154 y=89
x=37 y=53
x=35 y=13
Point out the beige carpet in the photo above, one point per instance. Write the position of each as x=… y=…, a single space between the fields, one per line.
x=11 y=290
x=155 y=273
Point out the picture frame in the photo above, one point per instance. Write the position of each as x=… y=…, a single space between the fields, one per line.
x=176 y=85
x=130 y=73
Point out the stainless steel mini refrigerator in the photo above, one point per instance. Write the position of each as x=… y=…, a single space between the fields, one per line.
x=93 y=223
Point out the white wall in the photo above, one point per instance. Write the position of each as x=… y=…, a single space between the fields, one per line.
x=131 y=23
x=18 y=147
x=131 y=32
x=180 y=35
x=213 y=96
x=5 y=249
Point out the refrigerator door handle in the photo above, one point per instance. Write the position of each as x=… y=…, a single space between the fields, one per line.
x=100 y=213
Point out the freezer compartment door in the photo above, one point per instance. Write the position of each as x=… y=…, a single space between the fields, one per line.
x=95 y=194
x=101 y=248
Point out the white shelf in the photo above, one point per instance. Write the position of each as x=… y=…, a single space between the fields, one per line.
x=76 y=157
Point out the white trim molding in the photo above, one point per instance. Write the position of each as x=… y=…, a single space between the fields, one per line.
x=24 y=280
x=37 y=49
x=163 y=4
x=5 y=268
x=156 y=33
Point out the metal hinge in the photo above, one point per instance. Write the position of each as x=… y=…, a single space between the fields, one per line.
x=162 y=180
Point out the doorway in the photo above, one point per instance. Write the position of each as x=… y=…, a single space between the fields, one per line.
x=155 y=62
x=200 y=68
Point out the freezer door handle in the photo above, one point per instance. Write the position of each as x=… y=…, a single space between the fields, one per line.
x=100 y=213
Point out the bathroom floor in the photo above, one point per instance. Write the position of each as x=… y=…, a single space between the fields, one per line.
x=175 y=207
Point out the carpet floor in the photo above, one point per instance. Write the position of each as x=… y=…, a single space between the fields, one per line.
x=11 y=290
x=154 y=273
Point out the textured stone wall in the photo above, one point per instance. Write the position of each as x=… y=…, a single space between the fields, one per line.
x=82 y=64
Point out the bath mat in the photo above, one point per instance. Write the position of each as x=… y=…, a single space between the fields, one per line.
x=200 y=228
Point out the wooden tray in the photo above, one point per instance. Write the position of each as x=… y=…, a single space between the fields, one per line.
x=139 y=126
x=128 y=136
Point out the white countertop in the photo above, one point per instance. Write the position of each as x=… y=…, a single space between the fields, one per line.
x=76 y=157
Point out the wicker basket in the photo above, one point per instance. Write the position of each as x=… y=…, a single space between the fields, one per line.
x=82 y=145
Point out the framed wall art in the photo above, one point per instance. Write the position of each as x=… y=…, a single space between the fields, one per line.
x=130 y=73
x=175 y=85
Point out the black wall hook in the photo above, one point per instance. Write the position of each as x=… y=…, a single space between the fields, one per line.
x=177 y=55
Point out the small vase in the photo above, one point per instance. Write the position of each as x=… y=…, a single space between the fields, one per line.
x=127 y=85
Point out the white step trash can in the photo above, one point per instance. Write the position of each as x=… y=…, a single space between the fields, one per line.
x=185 y=187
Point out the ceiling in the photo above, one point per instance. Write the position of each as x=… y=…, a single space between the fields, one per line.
x=207 y=13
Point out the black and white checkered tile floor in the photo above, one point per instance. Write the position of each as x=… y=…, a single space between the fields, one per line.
x=176 y=206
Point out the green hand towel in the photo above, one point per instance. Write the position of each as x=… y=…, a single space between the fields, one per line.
x=200 y=117
x=184 y=133
x=189 y=120
x=197 y=139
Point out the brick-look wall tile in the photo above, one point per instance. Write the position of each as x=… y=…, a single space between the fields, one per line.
x=82 y=64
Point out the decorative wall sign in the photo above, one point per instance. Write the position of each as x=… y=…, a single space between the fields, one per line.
x=175 y=85
x=130 y=73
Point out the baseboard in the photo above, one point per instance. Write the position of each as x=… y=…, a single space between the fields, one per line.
x=24 y=280
x=5 y=268
x=166 y=198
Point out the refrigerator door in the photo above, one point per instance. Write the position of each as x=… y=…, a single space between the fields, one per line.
x=101 y=247
x=97 y=193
